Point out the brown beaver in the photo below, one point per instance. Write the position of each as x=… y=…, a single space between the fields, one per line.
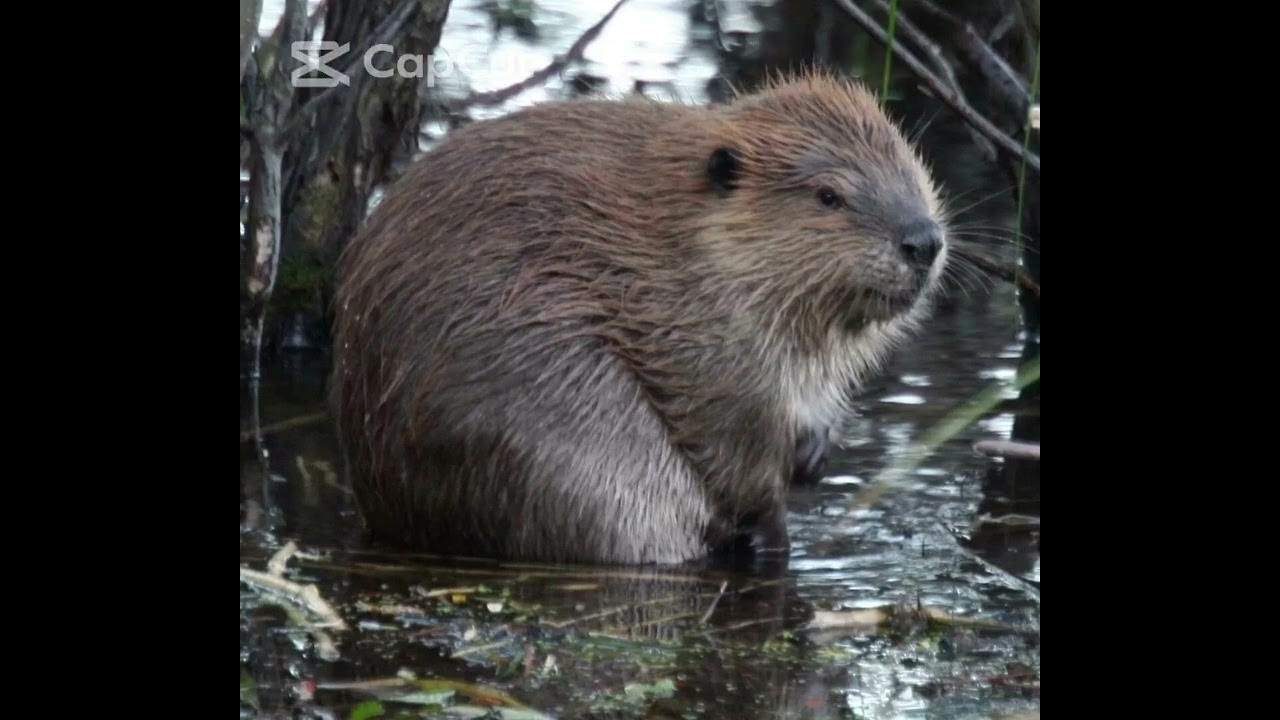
x=612 y=331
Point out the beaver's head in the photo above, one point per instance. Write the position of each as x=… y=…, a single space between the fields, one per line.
x=820 y=202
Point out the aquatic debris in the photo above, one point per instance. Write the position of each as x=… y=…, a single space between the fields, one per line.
x=364 y=711
x=276 y=565
x=390 y=609
x=877 y=618
x=447 y=592
x=442 y=692
x=308 y=596
x=829 y=619
x=662 y=689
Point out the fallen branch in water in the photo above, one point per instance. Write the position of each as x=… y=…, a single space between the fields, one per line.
x=1008 y=449
x=875 y=618
x=444 y=592
x=307 y=596
x=497 y=97
x=276 y=565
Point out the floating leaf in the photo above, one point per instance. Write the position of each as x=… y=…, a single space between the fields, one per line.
x=370 y=709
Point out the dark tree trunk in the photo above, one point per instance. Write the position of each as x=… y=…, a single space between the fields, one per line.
x=358 y=137
x=250 y=11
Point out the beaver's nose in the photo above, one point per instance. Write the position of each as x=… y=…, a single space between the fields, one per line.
x=920 y=244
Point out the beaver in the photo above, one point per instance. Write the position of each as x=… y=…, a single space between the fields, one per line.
x=612 y=331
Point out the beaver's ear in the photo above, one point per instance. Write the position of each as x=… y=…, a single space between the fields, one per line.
x=722 y=169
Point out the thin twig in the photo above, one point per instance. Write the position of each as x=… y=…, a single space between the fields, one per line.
x=1010 y=84
x=712 y=609
x=946 y=94
x=561 y=624
x=445 y=592
x=934 y=51
x=463 y=652
x=741 y=625
x=497 y=97
x=247 y=435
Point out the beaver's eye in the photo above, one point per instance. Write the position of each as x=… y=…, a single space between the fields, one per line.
x=828 y=198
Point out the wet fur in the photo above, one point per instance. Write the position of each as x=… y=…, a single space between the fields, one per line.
x=567 y=334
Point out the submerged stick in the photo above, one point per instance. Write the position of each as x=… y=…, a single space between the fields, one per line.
x=308 y=596
x=1008 y=449
x=276 y=565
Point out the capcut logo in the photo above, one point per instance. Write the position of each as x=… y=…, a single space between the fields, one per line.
x=316 y=56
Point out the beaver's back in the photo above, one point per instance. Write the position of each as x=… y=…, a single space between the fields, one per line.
x=471 y=309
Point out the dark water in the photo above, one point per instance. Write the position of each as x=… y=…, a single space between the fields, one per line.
x=962 y=537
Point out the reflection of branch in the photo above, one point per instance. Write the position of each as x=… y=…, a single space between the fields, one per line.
x=497 y=97
x=946 y=94
x=384 y=33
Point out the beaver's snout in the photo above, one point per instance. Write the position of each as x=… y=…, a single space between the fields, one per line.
x=920 y=242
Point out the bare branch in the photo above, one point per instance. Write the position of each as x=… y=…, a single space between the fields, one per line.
x=498 y=97
x=917 y=36
x=308 y=596
x=386 y=31
x=946 y=94
x=1013 y=89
